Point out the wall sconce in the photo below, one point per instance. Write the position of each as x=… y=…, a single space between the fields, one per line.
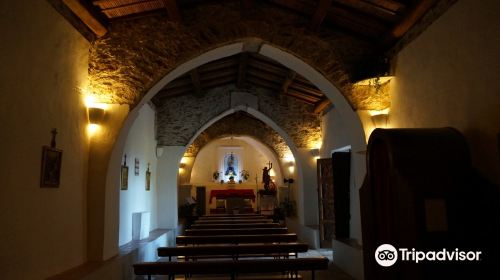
x=380 y=120
x=96 y=115
x=315 y=153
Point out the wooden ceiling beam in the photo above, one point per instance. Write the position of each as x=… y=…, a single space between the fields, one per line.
x=320 y=13
x=173 y=11
x=370 y=9
x=322 y=105
x=86 y=17
x=195 y=78
x=306 y=89
x=300 y=97
x=266 y=67
x=288 y=81
x=265 y=76
x=216 y=65
x=242 y=70
x=415 y=14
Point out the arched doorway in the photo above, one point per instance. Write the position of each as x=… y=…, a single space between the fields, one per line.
x=354 y=133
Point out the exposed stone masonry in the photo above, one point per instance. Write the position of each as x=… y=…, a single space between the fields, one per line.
x=240 y=124
x=179 y=118
x=136 y=53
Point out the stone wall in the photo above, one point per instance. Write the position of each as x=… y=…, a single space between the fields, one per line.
x=179 y=118
x=136 y=53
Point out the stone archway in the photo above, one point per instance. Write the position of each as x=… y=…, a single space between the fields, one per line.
x=349 y=117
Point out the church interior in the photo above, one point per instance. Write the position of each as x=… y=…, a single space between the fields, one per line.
x=145 y=125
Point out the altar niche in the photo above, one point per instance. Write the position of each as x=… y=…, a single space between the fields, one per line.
x=230 y=162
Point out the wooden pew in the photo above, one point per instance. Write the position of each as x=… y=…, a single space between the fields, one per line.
x=235 y=231
x=233 y=251
x=233 y=268
x=248 y=216
x=235 y=221
x=236 y=239
x=233 y=215
x=233 y=225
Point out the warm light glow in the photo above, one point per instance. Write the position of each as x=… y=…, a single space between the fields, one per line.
x=379 y=112
x=184 y=160
x=272 y=173
x=289 y=158
x=291 y=168
x=315 y=144
x=316 y=157
x=373 y=81
x=181 y=170
x=92 y=129
x=91 y=102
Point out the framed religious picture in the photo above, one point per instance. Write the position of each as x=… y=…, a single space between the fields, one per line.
x=148 y=179
x=124 y=175
x=136 y=167
x=51 y=167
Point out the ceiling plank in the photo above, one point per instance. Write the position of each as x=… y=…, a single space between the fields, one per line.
x=231 y=73
x=242 y=70
x=195 y=78
x=370 y=9
x=322 y=105
x=172 y=10
x=320 y=13
x=414 y=15
x=288 y=81
x=81 y=12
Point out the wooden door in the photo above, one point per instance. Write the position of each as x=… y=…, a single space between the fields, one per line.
x=325 y=202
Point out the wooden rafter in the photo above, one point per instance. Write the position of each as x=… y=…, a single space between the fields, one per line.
x=195 y=78
x=320 y=13
x=86 y=17
x=415 y=14
x=322 y=105
x=242 y=69
x=172 y=10
x=288 y=81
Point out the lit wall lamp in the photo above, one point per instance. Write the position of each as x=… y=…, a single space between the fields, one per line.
x=380 y=120
x=315 y=153
x=96 y=115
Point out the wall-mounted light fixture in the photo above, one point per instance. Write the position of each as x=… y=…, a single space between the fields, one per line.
x=315 y=153
x=379 y=118
x=96 y=115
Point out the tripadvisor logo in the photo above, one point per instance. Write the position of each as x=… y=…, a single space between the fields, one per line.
x=386 y=255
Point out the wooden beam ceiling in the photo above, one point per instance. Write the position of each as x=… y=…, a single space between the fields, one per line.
x=413 y=16
x=320 y=13
x=172 y=10
x=288 y=81
x=86 y=17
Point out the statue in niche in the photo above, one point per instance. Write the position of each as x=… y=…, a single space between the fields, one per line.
x=231 y=162
x=266 y=178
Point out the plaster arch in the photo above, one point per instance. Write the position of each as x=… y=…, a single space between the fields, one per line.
x=349 y=117
x=299 y=164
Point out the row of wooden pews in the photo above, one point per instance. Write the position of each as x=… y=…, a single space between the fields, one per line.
x=233 y=247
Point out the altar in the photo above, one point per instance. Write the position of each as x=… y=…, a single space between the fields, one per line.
x=234 y=200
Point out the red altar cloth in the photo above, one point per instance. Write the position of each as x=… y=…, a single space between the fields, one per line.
x=243 y=193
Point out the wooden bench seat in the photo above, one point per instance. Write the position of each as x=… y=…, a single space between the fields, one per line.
x=255 y=217
x=229 y=221
x=236 y=239
x=233 y=225
x=231 y=215
x=232 y=268
x=233 y=251
x=235 y=231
